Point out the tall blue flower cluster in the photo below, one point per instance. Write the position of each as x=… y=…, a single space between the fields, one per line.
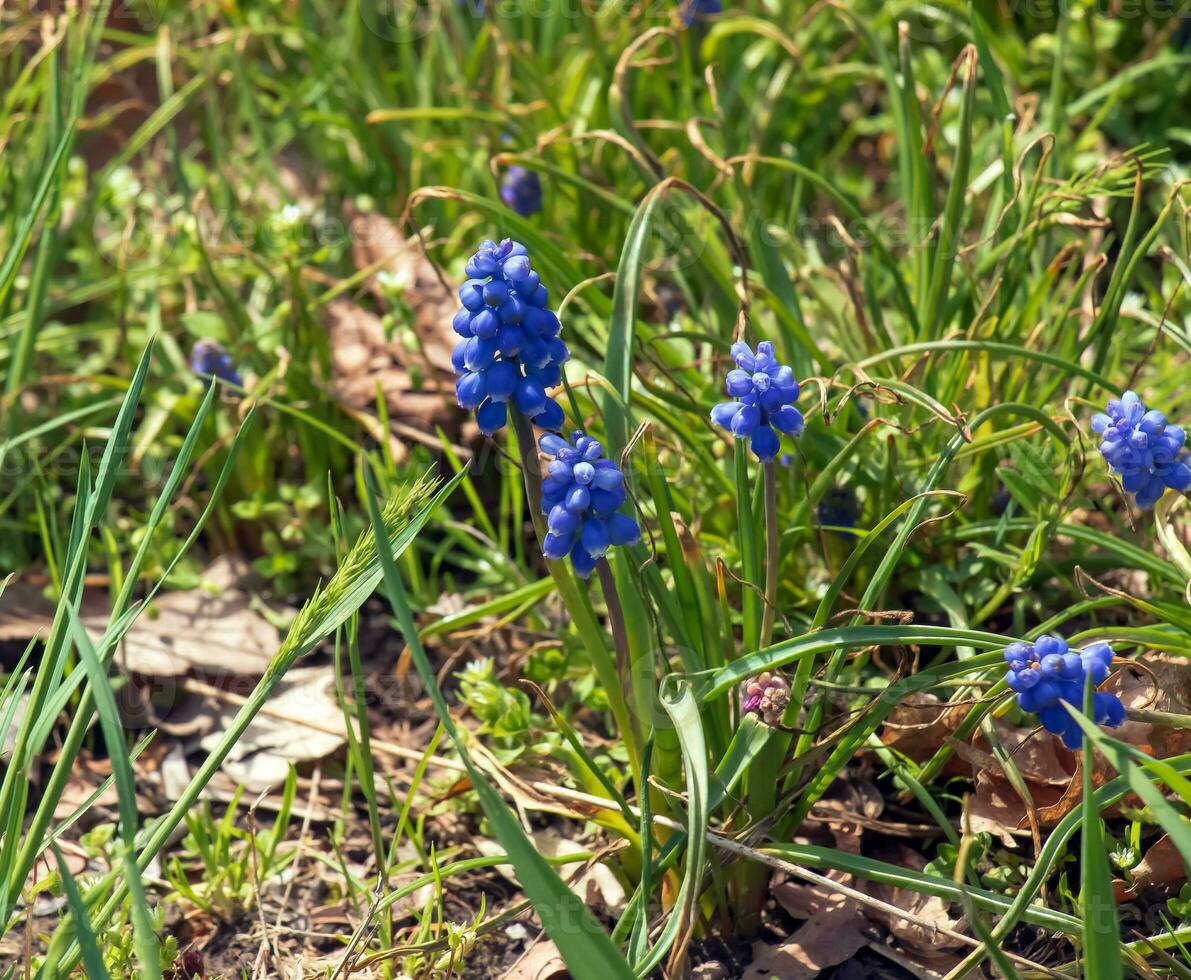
x=1143 y=449
x=1047 y=672
x=765 y=392
x=510 y=348
x=209 y=360
x=521 y=190
x=581 y=499
x=838 y=507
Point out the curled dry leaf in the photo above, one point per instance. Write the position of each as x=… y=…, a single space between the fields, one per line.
x=218 y=628
x=196 y=630
x=1161 y=683
x=1102 y=772
x=997 y=809
x=1045 y=765
x=850 y=806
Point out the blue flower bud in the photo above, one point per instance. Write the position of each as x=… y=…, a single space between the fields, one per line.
x=562 y=521
x=502 y=380
x=578 y=499
x=550 y=417
x=471 y=389
x=556 y=546
x=531 y=399
x=521 y=190
x=479 y=353
x=496 y=291
x=462 y=322
x=471 y=295
x=765 y=443
x=209 y=360
x=594 y=537
x=491 y=417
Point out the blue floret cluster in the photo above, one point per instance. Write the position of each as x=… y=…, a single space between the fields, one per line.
x=1047 y=672
x=1143 y=449
x=511 y=350
x=764 y=393
x=581 y=499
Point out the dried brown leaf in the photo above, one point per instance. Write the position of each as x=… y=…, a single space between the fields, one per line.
x=831 y=936
x=919 y=725
x=540 y=962
x=927 y=907
x=1161 y=865
x=261 y=757
x=378 y=241
x=217 y=628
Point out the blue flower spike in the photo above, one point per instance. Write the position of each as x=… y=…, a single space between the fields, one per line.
x=521 y=190
x=1142 y=449
x=1047 y=672
x=581 y=499
x=511 y=349
x=696 y=10
x=764 y=393
x=209 y=360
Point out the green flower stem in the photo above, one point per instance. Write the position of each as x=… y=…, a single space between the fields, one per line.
x=772 y=557
x=749 y=559
x=620 y=635
x=577 y=603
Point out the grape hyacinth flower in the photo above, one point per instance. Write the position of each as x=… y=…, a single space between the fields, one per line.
x=766 y=695
x=1140 y=447
x=521 y=190
x=581 y=499
x=1047 y=672
x=764 y=391
x=510 y=348
x=209 y=360
x=696 y=10
x=838 y=507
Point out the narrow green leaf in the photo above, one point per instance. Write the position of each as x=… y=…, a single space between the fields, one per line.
x=1097 y=905
x=580 y=939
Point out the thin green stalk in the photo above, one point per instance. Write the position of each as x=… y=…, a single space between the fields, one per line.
x=772 y=557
